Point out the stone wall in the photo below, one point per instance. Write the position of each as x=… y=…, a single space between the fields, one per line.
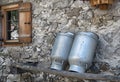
x=52 y=16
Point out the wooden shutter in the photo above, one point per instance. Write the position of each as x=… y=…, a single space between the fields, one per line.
x=106 y=1
x=25 y=23
x=0 y=28
x=95 y=2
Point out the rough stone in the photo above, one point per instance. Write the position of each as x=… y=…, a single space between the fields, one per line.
x=12 y=78
x=62 y=3
x=52 y=16
x=73 y=12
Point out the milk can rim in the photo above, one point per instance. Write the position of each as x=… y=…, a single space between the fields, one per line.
x=69 y=34
x=90 y=34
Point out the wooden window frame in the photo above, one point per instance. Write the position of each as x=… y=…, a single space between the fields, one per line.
x=4 y=9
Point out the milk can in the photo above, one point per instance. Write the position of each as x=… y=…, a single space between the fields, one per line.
x=82 y=51
x=61 y=50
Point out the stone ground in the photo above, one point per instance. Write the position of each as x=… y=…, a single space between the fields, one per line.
x=52 y=16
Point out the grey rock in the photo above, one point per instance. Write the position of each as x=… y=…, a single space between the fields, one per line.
x=73 y=12
x=52 y=16
x=62 y=3
x=116 y=9
x=1 y=60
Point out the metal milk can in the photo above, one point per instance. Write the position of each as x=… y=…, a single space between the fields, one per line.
x=82 y=51
x=61 y=50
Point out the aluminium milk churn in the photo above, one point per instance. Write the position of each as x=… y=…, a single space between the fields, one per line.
x=61 y=50
x=82 y=51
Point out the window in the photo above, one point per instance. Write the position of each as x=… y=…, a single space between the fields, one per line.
x=16 y=24
x=12 y=25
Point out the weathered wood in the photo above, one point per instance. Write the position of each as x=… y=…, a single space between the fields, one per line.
x=25 y=23
x=103 y=4
x=95 y=2
x=68 y=74
x=107 y=1
x=0 y=28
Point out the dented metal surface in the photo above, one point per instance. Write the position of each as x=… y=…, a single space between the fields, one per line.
x=61 y=49
x=82 y=51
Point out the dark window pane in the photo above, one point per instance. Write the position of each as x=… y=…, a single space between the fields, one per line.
x=12 y=25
